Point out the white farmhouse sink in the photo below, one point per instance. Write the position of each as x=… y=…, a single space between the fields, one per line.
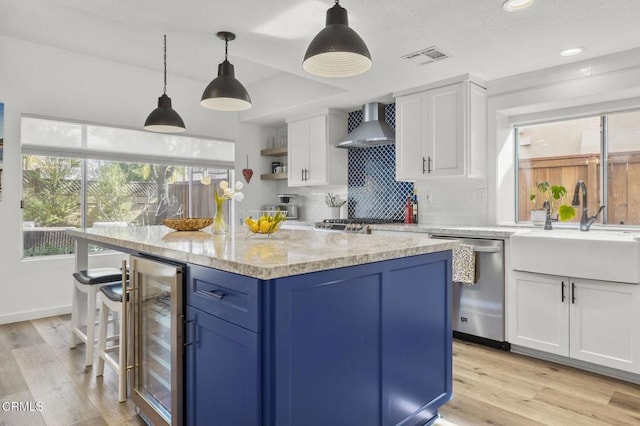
x=597 y=255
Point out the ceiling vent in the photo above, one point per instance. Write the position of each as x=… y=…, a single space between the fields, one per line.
x=426 y=56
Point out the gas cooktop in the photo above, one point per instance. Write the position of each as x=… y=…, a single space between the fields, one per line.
x=358 y=224
x=362 y=220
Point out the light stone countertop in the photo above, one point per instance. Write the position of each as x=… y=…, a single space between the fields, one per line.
x=288 y=252
x=479 y=231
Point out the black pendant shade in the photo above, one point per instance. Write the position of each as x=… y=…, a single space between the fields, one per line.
x=337 y=50
x=225 y=92
x=164 y=119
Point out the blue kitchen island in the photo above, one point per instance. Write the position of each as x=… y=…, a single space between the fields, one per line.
x=308 y=328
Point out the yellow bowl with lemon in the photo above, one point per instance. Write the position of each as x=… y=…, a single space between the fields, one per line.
x=263 y=222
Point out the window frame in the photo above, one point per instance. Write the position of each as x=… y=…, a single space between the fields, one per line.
x=207 y=161
x=518 y=122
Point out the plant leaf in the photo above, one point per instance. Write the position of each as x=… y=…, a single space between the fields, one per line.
x=566 y=212
x=543 y=186
x=558 y=191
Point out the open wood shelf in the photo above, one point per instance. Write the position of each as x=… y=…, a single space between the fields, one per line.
x=273 y=176
x=280 y=151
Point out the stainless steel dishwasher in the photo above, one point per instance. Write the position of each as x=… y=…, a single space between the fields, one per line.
x=478 y=309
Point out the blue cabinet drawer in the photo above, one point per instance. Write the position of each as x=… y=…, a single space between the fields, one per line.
x=232 y=297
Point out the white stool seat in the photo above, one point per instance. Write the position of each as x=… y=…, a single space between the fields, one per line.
x=111 y=301
x=86 y=284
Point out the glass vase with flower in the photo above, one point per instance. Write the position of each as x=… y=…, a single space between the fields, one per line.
x=222 y=193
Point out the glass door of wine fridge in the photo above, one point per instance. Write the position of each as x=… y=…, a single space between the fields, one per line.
x=156 y=288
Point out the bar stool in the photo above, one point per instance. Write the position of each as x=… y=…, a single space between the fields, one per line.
x=112 y=302
x=86 y=284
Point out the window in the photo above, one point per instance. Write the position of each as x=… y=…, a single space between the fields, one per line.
x=596 y=149
x=65 y=185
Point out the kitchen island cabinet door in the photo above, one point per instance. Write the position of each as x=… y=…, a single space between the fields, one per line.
x=605 y=323
x=416 y=361
x=365 y=345
x=539 y=312
x=223 y=372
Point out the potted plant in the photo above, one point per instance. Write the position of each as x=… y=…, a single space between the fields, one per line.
x=544 y=194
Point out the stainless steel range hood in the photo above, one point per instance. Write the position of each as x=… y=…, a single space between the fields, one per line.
x=373 y=131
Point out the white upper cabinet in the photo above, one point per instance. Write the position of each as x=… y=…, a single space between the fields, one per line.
x=313 y=156
x=441 y=132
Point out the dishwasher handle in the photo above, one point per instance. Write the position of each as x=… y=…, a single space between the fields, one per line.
x=496 y=247
x=480 y=249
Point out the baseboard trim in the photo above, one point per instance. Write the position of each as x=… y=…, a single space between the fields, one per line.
x=34 y=314
x=583 y=365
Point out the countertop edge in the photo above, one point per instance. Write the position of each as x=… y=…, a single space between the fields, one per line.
x=487 y=231
x=417 y=247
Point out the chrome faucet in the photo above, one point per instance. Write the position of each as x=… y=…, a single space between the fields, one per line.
x=585 y=220
x=547 y=222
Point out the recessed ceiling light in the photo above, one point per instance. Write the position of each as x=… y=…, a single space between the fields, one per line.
x=572 y=51
x=516 y=5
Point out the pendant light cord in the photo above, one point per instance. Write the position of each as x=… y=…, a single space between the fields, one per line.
x=164 y=90
x=226 y=46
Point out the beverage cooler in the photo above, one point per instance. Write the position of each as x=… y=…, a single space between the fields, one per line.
x=158 y=324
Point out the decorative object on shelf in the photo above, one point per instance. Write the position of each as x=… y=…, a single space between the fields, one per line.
x=549 y=195
x=164 y=119
x=247 y=173
x=267 y=222
x=225 y=93
x=337 y=50
x=221 y=194
x=188 y=224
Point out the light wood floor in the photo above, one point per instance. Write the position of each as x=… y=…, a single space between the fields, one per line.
x=490 y=386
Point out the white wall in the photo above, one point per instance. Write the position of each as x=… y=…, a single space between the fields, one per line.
x=453 y=201
x=251 y=139
x=37 y=79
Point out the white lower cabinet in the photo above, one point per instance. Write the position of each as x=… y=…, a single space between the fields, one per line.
x=587 y=320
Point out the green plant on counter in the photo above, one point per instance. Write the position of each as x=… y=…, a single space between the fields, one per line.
x=552 y=194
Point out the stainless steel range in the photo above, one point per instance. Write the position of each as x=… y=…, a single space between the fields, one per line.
x=355 y=225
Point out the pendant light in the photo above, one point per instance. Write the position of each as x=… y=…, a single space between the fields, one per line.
x=225 y=93
x=164 y=119
x=337 y=50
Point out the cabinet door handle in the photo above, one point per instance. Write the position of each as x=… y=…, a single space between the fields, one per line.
x=562 y=291
x=306 y=173
x=429 y=164
x=302 y=175
x=573 y=293
x=216 y=294
x=424 y=169
x=187 y=323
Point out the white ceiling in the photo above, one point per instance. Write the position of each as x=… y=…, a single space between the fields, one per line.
x=272 y=37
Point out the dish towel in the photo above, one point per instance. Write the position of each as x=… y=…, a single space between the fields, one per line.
x=464 y=264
